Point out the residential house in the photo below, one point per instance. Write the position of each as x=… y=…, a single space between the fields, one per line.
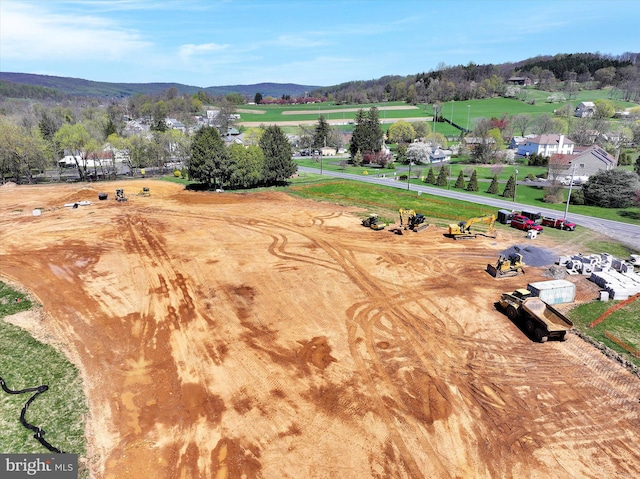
x=174 y=124
x=439 y=155
x=586 y=109
x=584 y=163
x=546 y=145
x=523 y=81
x=135 y=127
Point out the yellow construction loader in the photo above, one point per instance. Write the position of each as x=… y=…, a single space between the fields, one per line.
x=372 y=222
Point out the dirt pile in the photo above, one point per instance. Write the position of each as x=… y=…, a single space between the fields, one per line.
x=532 y=255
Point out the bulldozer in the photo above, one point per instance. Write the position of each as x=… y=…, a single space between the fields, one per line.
x=507 y=266
x=462 y=230
x=120 y=195
x=372 y=222
x=144 y=192
x=409 y=220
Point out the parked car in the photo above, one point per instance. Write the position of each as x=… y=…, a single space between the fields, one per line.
x=577 y=180
x=525 y=224
x=559 y=223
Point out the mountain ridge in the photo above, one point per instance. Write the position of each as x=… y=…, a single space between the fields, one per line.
x=88 y=88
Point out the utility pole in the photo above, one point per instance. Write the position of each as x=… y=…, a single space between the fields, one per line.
x=566 y=210
x=515 y=185
x=409 y=176
x=468 y=113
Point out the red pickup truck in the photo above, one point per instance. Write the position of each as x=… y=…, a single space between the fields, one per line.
x=525 y=224
x=561 y=224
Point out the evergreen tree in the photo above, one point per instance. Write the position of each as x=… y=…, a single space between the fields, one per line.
x=249 y=165
x=321 y=133
x=209 y=161
x=473 y=182
x=257 y=99
x=611 y=189
x=278 y=157
x=357 y=160
x=460 y=180
x=443 y=176
x=357 y=138
x=367 y=135
x=510 y=188
x=636 y=167
x=431 y=178
x=493 y=187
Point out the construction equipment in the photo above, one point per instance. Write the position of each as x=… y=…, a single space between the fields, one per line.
x=372 y=222
x=506 y=267
x=541 y=320
x=410 y=220
x=120 y=195
x=144 y=192
x=462 y=230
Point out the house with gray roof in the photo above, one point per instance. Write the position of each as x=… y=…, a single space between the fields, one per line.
x=585 y=163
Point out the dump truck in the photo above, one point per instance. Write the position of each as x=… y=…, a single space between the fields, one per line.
x=507 y=266
x=541 y=321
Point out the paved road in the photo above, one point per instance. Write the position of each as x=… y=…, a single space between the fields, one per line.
x=623 y=232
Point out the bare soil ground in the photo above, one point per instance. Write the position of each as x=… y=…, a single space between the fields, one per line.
x=230 y=336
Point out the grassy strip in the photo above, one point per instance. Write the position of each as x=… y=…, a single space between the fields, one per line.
x=623 y=324
x=385 y=201
x=527 y=194
x=24 y=363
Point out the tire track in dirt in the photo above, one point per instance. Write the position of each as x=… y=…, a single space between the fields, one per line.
x=166 y=355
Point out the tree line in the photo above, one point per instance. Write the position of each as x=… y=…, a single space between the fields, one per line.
x=217 y=165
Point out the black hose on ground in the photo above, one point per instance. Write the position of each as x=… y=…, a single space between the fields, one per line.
x=39 y=433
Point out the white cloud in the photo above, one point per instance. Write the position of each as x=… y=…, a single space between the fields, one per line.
x=31 y=33
x=189 y=50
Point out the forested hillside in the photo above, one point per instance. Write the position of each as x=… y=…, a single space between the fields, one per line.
x=46 y=86
x=563 y=72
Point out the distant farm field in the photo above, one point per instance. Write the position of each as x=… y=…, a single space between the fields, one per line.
x=463 y=113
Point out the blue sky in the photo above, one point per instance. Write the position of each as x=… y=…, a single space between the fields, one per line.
x=319 y=42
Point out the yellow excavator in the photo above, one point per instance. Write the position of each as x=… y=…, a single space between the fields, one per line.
x=410 y=220
x=462 y=230
x=507 y=266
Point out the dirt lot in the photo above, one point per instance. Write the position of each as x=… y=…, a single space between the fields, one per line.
x=225 y=335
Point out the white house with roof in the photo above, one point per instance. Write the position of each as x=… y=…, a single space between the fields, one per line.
x=546 y=145
x=586 y=109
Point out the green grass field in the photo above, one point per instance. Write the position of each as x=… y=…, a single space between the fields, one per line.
x=25 y=363
x=622 y=323
x=461 y=112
